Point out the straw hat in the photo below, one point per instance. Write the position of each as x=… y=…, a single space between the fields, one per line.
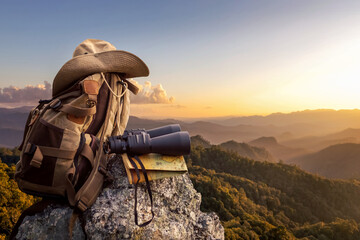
x=93 y=56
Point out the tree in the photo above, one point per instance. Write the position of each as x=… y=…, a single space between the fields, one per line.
x=12 y=200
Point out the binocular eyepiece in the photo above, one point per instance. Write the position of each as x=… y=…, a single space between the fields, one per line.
x=167 y=140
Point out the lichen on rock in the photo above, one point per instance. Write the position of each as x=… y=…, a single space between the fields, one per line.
x=176 y=207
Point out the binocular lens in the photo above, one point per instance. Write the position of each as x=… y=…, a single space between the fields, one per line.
x=175 y=144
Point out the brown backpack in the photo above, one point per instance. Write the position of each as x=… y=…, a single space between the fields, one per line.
x=61 y=153
x=62 y=149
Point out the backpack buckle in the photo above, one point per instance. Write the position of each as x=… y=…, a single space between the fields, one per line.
x=90 y=103
x=30 y=149
x=34 y=115
x=81 y=205
x=108 y=177
x=55 y=104
x=35 y=153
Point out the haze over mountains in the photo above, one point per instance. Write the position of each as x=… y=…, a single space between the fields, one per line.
x=284 y=127
x=264 y=198
x=330 y=120
x=336 y=161
x=12 y=123
x=243 y=149
x=279 y=151
x=302 y=138
x=316 y=143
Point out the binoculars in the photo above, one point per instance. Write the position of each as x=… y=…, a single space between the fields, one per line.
x=167 y=140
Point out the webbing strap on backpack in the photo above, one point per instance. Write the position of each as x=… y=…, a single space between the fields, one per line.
x=89 y=191
x=136 y=185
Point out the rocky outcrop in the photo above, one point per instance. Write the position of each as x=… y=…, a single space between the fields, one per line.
x=176 y=208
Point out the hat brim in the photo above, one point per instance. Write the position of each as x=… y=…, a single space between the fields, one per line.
x=85 y=65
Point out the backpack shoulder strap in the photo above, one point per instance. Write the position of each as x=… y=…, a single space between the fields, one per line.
x=89 y=191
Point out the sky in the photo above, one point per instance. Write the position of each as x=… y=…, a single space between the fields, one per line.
x=206 y=58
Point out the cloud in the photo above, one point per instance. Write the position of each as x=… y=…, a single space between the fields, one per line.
x=28 y=95
x=177 y=106
x=151 y=94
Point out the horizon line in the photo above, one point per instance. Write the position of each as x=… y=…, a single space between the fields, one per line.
x=215 y=117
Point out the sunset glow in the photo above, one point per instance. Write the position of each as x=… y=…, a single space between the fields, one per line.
x=213 y=59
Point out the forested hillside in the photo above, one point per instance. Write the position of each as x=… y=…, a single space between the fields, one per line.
x=337 y=161
x=277 y=150
x=262 y=200
x=245 y=150
x=9 y=156
x=254 y=200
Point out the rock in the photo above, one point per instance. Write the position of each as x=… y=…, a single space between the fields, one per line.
x=176 y=208
x=52 y=223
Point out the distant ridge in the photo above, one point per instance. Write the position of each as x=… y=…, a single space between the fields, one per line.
x=337 y=161
x=307 y=122
x=286 y=127
x=242 y=149
x=316 y=143
x=200 y=141
x=251 y=197
x=305 y=116
x=268 y=141
x=245 y=150
x=277 y=150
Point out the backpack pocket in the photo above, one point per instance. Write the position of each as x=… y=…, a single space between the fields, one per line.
x=40 y=153
x=47 y=158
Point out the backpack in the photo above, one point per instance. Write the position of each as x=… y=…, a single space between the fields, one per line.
x=61 y=153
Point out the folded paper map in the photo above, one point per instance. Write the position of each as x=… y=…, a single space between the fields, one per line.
x=157 y=166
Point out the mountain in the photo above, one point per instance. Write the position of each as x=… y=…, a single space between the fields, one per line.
x=277 y=150
x=217 y=133
x=347 y=133
x=285 y=136
x=213 y=132
x=14 y=118
x=199 y=141
x=12 y=122
x=316 y=143
x=327 y=116
x=135 y=122
x=245 y=150
x=262 y=200
x=284 y=126
x=301 y=123
x=10 y=137
x=337 y=161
